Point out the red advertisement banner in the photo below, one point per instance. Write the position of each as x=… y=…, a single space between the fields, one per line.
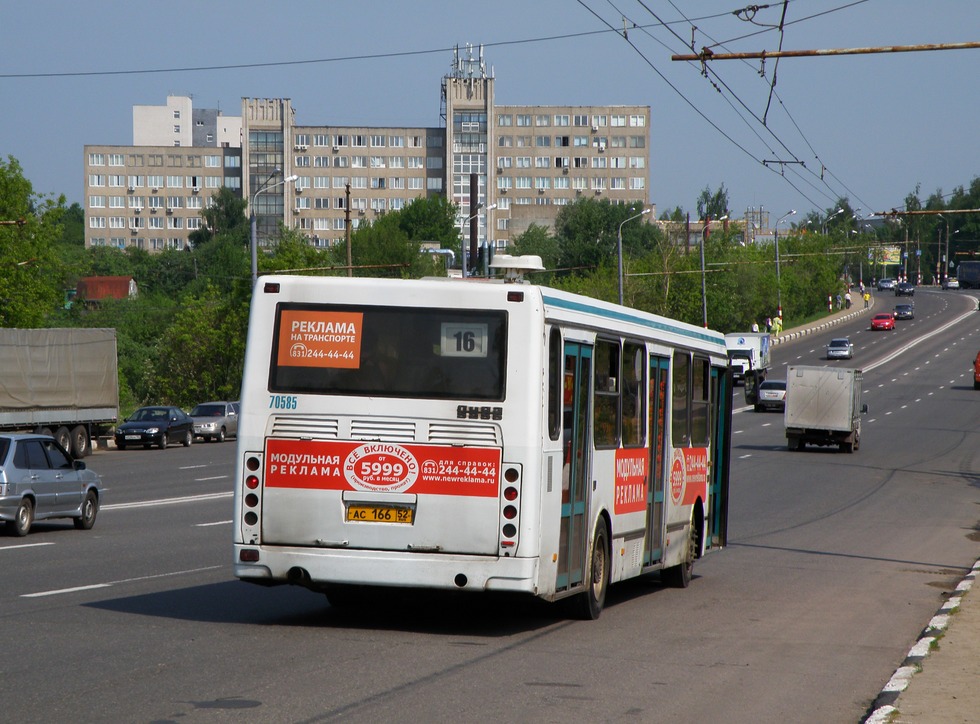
x=631 y=480
x=382 y=467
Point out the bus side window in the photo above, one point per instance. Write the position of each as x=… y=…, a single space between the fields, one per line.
x=633 y=375
x=556 y=382
x=680 y=395
x=700 y=401
x=606 y=393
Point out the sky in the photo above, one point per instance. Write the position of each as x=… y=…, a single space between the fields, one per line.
x=872 y=127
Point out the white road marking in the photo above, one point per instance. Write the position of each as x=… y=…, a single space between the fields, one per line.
x=166 y=501
x=25 y=545
x=60 y=591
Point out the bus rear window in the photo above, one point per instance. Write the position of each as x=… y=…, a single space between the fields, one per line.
x=389 y=352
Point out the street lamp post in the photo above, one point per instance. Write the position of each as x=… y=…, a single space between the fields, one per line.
x=775 y=236
x=619 y=249
x=939 y=250
x=827 y=222
x=704 y=289
x=254 y=225
x=468 y=219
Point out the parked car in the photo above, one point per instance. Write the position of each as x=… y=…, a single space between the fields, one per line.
x=39 y=480
x=882 y=322
x=840 y=348
x=216 y=420
x=772 y=396
x=904 y=289
x=150 y=426
x=904 y=311
x=885 y=284
x=951 y=283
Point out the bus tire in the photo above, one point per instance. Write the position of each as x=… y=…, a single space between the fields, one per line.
x=679 y=576
x=588 y=604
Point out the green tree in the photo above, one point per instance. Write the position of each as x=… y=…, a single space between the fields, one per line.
x=32 y=275
x=713 y=205
x=538 y=242
x=200 y=355
x=429 y=219
x=226 y=216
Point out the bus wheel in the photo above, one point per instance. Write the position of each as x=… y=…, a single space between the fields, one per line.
x=679 y=576
x=588 y=604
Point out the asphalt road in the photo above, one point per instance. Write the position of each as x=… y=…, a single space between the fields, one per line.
x=835 y=564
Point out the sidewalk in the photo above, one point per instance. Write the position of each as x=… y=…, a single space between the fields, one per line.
x=939 y=680
x=831 y=320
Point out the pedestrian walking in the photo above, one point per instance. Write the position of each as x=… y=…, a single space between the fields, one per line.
x=840 y=301
x=847 y=300
x=755 y=326
x=867 y=299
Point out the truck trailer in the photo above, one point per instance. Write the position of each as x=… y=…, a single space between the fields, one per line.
x=60 y=382
x=823 y=407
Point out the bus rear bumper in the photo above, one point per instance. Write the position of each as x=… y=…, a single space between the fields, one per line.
x=319 y=568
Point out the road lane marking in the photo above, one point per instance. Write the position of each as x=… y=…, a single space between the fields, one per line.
x=217 y=522
x=57 y=592
x=41 y=594
x=166 y=501
x=215 y=477
x=25 y=545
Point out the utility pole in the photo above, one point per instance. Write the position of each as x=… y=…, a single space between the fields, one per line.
x=350 y=263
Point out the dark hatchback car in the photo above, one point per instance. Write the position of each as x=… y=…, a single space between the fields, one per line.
x=39 y=480
x=904 y=311
x=159 y=426
x=904 y=289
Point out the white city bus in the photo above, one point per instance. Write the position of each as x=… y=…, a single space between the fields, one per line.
x=470 y=435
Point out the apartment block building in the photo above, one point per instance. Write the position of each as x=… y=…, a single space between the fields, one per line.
x=526 y=161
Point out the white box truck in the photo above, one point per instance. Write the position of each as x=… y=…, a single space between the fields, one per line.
x=748 y=352
x=61 y=382
x=823 y=407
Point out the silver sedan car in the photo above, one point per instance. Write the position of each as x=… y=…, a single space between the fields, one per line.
x=39 y=481
x=216 y=420
x=840 y=348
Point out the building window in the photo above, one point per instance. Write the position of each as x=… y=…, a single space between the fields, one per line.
x=561 y=119
x=638 y=121
x=378 y=141
x=617 y=120
x=523 y=119
x=505 y=119
x=96 y=159
x=638 y=142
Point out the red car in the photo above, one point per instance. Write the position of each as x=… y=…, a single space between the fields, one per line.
x=882 y=321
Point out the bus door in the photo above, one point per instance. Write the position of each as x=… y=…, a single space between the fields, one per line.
x=576 y=466
x=721 y=445
x=654 y=548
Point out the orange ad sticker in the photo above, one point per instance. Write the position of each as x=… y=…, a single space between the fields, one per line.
x=320 y=339
x=631 y=480
x=689 y=475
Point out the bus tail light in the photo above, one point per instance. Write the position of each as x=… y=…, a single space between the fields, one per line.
x=251 y=501
x=510 y=508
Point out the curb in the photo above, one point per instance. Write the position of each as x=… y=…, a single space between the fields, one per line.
x=831 y=322
x=883 y=706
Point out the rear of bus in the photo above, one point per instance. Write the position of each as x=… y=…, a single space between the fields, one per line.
x=371 y=448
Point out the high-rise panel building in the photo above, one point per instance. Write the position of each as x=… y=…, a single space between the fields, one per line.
x=505 y=167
